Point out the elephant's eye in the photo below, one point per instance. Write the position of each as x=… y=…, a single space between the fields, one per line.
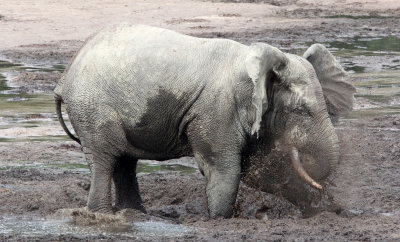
x=302 y=109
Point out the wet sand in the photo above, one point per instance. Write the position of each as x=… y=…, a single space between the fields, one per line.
x=41 y=171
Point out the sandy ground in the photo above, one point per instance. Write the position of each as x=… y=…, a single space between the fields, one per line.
x=29 y=22
x=366 y=184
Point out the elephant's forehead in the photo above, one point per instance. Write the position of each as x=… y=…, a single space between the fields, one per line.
x=300 y=71
x=301 y=78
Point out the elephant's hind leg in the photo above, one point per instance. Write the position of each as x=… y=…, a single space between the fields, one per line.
x=100 y=183
x=126 y=184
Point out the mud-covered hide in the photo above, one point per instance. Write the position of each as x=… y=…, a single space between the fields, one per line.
x=270 y=170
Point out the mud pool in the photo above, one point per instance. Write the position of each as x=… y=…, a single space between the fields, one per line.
x=146 y=230
x=27 y=116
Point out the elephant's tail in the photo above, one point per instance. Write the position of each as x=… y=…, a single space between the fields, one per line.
x=58 y=101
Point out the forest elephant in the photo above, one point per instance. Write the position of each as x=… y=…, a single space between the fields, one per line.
x=138 y=92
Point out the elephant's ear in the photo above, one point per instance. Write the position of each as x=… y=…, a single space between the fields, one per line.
x=262 y=61
x=337 y=89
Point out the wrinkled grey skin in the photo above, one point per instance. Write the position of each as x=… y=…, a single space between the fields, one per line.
x=138 y=92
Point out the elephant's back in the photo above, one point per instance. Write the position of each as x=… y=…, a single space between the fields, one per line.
x=126 y=57
x=124 y=45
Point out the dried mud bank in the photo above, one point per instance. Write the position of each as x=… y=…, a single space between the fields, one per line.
x=41 y=175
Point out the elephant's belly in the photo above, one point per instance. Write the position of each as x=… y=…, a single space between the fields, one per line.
x=157 y=145
x=156 y=125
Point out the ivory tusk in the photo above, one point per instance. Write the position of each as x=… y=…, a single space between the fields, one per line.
x=294 y=157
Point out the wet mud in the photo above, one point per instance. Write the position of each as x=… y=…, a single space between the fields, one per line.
x=44 y=180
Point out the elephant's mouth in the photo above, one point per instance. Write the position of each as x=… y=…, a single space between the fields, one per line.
x=298 y=167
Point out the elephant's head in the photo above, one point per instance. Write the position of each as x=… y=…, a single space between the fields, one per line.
x=295 y=98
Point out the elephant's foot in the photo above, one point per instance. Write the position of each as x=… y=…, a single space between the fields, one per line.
x=221 y=193
x=94 y=208
x=121 y=206
x=126 y=185
x=99 y=200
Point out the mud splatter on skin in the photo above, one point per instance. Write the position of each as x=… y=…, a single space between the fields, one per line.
x=270 y=170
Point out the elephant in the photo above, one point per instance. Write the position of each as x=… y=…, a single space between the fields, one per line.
x=139 y=92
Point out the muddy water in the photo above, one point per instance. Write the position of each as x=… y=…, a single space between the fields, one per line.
x=373 y=64
x=26 y=116
x=144 y=230
x=374 y=67
x=80 y=167
x=359 y=54
x=379 y=92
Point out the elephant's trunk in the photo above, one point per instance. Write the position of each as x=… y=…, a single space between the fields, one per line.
x=314 y=149
x=321 y=153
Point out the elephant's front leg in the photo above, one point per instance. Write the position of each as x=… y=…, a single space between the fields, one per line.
x=222 y=182
x=221 y=192
x=217 y=149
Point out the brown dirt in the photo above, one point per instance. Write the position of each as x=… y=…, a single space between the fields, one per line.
x=366 y=183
